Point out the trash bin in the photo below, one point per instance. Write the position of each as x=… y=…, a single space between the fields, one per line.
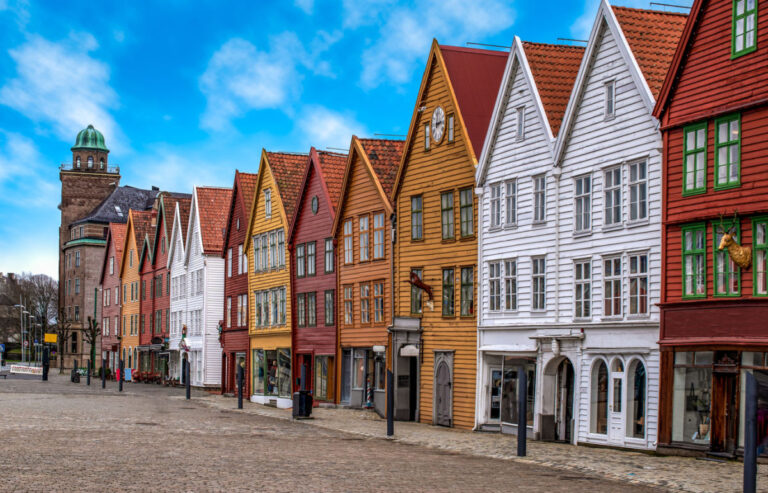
x=302 y=404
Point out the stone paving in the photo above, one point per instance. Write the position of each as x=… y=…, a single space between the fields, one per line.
x=58 y=436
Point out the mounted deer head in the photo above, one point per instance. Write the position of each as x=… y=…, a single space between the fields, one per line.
x=741 y=255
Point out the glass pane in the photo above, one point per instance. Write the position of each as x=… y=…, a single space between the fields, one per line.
x=272 y=372
x=617 y=395
x=691 y=405
x=722 y=132
x=700 y=138
x=704 y=358
x=684 y=358
x=752 y=359
x=636 y=389
x=690 y=141
x=599 y=399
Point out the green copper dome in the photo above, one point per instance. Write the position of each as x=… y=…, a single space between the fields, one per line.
x=90 y=138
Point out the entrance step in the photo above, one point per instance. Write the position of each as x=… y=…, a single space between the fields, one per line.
x=721 y=455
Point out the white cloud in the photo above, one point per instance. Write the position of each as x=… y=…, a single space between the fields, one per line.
x=22 y=174
x=404 y=33
x=306 y=5
x=323 y=127
x=240 y=77
x=62 y=85
x=582 y=27
x=19 y=9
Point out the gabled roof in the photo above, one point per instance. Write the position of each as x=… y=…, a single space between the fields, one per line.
x=115 y=236
x=139 y=223
x=212 y=205
x=166 y=209
x=288 y=172
x=180 y=224
x=243 y=189
x=114 y=208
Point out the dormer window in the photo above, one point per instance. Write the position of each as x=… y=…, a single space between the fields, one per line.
x=744 y=34
x=520 y=112
x=119 y=211
x=268 y=203
x=610 y=99
x=90 y=162
x=77 y=162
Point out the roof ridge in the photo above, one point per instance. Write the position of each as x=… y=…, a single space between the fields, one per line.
x=289 y=153
x=479 y=51
x=649 y=11
x=554 y=45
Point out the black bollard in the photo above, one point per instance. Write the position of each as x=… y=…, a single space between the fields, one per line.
x=88 y=374
x=103 y=373
x=240 y=381
x=750 y=435
x=120 y=375
x=390 y=403
x=522 y=410
x=187 y=382
x=46 y=362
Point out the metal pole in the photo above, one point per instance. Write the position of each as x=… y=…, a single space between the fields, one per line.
x=240 y=381
x=88 y=374
x=46 y=362
x=120 y=375
x=187 y=382
x=103 y=373
x=390 y=403
x=522 y=411
x=750 y=436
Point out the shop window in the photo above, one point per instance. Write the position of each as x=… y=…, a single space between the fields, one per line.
x=284 y=372
x=358 y=368
x=257 y=365
x=599 y=399
x=636 y=398
x=510 y=389
x=321 y=377
x=691 y=401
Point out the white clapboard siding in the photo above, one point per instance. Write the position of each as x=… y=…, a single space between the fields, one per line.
x=214 y=300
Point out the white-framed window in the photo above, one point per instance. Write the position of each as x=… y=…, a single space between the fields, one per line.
x=273 y=250
x=539 y=198
x=510 y=202
x=105 y=323
x=240 y=260
x=582 y=203
x=510 y=284
x=111 y=265
x=539 y=283
x=77 y=258
x=229 y=311
x=494 y=285
x=349 y=252
x=328 y=255
x=496 y=205
x=582 y=289
x=451 y=129
x=364 y=236
x=378 y=235
x=520 y=123
x=638 y=191
x=612 y=287
x=268 y=203
x=612 y=189
x=229 y=262
x=638 y=284
x=610 y=98
x=426 y=137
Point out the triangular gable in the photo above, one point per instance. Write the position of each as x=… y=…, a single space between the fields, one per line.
x=115 y=235
x=242 y=191
x=176 y=235
x=194 y=221
x=212 y=205
x=134 y=229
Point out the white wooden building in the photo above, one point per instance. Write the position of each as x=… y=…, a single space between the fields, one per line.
x=570 y=283
x=178 y=302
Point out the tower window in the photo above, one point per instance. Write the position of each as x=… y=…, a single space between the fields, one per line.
x=77 y=162
x=101 y=164
x=90 y=162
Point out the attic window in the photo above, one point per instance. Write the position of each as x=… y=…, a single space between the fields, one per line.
x=520 y=112
x=743 y=37
x=610 y=99
x=101 y=164
x=77 y=162
x=237 y=224
x=450 y=128
x=268 y=203
x=426 y=137
x=119 y=211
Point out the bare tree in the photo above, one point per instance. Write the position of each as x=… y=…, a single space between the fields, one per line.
x=91 y=334
x=63 y=330
x=42 y=293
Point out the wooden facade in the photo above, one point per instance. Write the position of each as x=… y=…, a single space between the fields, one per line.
x=111 y=293
x=713 y=114
x=146 y=293
x=313 y=275
x=436 y=237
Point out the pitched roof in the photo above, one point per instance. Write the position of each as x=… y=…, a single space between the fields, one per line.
x=384 y=156
x=332 y=165
x=169 y=207
x=554 y=69
x=212 y=207
x=118 y=230
x=247 y=187
x=142 y=224
x=114 y=208
x=184 y=207
x=653 y=36
x=475 y=76
x=288 y=173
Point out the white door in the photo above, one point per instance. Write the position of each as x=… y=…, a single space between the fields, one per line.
x=616 y=409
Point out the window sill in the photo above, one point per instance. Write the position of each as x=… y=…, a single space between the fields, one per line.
x=539 y=313
x=538 y=224
x=610 y=117
x=582 y=319
x=727 y=186
x=582 y=234
x=639 y=316
x=448 y=240
x=638 y=222
x=468 y=238
x=493 y=229
x=510 y=226
x=613 y=227
x=691 y=193
x=612 y=318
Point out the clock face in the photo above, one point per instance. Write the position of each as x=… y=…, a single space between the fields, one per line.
x=438 y=124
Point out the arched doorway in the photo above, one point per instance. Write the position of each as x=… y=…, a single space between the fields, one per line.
x=443 y=394
x=557 y=400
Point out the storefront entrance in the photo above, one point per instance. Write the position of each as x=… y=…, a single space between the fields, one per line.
x=616 y=409
x=494 y=396
x=724 y=412
x=564 y=401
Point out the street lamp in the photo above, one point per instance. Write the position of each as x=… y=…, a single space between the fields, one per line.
x=22 y=311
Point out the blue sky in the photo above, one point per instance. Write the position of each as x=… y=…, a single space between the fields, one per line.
x=187 y=92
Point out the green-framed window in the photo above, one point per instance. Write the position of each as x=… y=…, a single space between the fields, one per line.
x=727 y=275
x=695 y=159
x=728 y=151
x=760 y=255
x=744 y=28
x=694 y=261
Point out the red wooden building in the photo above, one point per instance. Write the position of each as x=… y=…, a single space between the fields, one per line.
x=111 y=296
x=313 y=274
x=713 y=110
x=146 y=297
x=234 y=334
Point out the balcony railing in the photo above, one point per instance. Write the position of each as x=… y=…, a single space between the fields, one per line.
x=95 y=169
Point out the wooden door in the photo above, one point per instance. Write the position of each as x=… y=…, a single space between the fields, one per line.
x=725 y=413
x=443 y=395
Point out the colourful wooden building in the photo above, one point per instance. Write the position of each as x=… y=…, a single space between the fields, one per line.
x=147 y=302
x=435 y=329
x=362 y=234
x=313 y=275
x=234 y=336
x=111 y=297
x=269 y=281
x=714 y=300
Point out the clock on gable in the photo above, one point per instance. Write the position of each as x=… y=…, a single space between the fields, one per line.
x=438 y=124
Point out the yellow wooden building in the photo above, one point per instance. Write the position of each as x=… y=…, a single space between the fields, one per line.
x=139 y=224
x=434 y=346
x=269 y=279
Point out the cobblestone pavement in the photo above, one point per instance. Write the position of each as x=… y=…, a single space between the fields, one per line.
x=58 y=436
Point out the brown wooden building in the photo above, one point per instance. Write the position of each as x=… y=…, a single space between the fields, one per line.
x=714 y=114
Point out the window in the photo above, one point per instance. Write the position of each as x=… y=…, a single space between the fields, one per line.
x=636 y=390
x=451 y=129
x=692 y=383
x=539 y=282
x=311 y=259
x=311 y=309
x=638 y=191
x=494 y=285
x=417 y=232
x=727 y=274
x=105 y=324
x=329 y=307
x=694 y=262
x=510 y=198
x=582 y=203
x=416 y=293
x=256 y=252
x=638 y=284
x=273 y=250
x=90 y=162
x=242 y=310
x=365 y=303
x=520 y=123
x=159 y=321
x=77 y=258
x=447 y=215
x=510 y=285
x=695 y=159
x=125 y=291
x=301 y=303
x=612 y=294
x=300 y=261
x=321 y=388
x=378 y=235
x=242 y=260
x=111 y=265
x=73 y=346
x=229 y=311
x=598 y=422
x=539 y=199
x=426 y=137
x=257 y=309
x=449 y=298
x=264 y=252
x=348 y=306
x=467 y=212
x=268 y=203
x=364 y=243
x=610 y=99
x=276 y=313
x=583 y=289
x=760 y=245
x=349 y=252
x=280 y=248
x=143 y=320
x=229 y=262
x=77 y=162
x=496 y=205
x=744 y=29
x=77 y=286
x=378 y=302
x=727 y=151
x=467 y=291
x=612 y=188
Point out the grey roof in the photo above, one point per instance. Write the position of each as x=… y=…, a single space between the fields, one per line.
x=114 y=209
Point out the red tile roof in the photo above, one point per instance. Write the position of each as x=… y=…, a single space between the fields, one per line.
x=212 y=207
x=246 y=188
x=117 y=231
x=288 y=173
x=554 y=69
x=142 y=224
x=333 y=164
x=384 y=155
x=652 y=36
x=184 y=206
x=475 y=76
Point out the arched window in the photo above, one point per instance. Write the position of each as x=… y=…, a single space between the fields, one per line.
x=101 y=163
x=90 y=162
x=599 y=399
x=77 y=162
x=636 y=395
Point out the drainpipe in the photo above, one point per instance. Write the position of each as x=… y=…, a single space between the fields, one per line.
x=556 y=171
x=479 y=310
